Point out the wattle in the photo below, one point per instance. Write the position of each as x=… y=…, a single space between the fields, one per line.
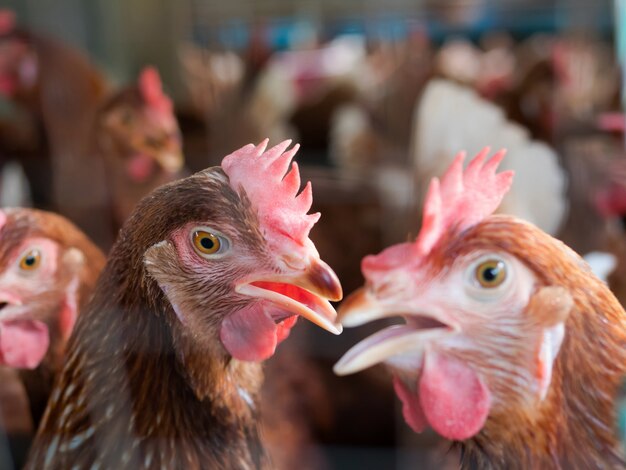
x=140 y=167
x=23 y=343
x=251 y=334
x=450 y=397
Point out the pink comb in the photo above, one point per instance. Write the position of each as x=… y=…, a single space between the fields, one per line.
x=461 y=200
x=152 y=91
x=272 y=189
x=7 y=21
x=611 y=122
x=3 y=219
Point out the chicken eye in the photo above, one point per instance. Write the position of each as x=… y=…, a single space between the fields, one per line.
x=30 y=260
x=491 y=273
x=208 y=243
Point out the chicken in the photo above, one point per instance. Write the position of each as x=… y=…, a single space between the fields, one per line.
x=138 y=138
x=207 y=276
x=511 y=346
x=48 y=270
x=60 y=90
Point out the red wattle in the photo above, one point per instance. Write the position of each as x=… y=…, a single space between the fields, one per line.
x=284 y=328
x=411 y=407
x=453 y=398
x=140 y=167
x=249 y=334
x=23 y=343
x=7 y=86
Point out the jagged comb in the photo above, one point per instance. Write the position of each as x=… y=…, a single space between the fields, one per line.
x=7 y=21
x=271 y=181
x=152 y=91
x=463 y=198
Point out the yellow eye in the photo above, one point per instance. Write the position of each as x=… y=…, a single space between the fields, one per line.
x=30 y=260
x=206 y=243
x=491 y=273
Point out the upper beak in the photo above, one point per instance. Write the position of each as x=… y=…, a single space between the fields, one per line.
x=320 y=279
x=363 y=307
x=306 y=292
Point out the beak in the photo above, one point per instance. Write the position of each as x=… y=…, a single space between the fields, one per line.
x=362 y=307
x=7 y=298
x=171 y=162
x=306 y=292
x=397 y=344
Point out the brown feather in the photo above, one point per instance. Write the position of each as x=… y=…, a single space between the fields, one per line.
x=137 y=391
x=575 y=426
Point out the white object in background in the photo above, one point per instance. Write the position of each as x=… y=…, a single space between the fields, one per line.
x=14 y=188
x=451 y=117
x=602 y=264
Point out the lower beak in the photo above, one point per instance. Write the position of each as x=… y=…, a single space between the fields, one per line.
x=306 y=292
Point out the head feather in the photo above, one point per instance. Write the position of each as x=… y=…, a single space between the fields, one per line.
x=460 y=200
x=271 y=182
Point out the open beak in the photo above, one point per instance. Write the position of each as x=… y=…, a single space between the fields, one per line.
x=306 y=292
x=395 y=344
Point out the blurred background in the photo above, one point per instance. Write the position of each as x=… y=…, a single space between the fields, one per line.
x=380 y=94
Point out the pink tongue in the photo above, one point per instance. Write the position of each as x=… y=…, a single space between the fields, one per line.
x=249 y=334
x=23 y=343
x=140 y=167
x=454 y=399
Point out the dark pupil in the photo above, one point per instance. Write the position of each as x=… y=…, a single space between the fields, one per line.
x=207 y=243
x=490 y=274
x=30 y=260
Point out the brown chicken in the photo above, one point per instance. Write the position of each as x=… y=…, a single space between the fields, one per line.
x=138 y=138
x=208 y=275
x=511 y=346
x=61 y=90
x=48 y=270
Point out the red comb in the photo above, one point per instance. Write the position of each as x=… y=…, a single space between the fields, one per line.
x=272 y=189
x=7 y=21
x=461 y=200
x=611 y=122
x=152 y=91
x=611 y=201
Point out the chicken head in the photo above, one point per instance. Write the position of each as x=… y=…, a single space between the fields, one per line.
x=482 y=326
x=238 y=268
x=45 y=273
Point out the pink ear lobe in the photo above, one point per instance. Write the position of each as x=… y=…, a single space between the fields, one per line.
x=69 y=310
x=67 y=318
x=548 y=349
x=7 y=21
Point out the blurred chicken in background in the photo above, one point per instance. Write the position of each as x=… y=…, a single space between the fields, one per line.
x=139 y=142
x=59 y=89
